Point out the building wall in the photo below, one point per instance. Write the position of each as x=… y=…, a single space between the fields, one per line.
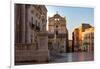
x=20 y=24
x=70 y=46
x=88 y=40
x=78 y=36
x=76 y=40
x=30 y=31
x=81 y=30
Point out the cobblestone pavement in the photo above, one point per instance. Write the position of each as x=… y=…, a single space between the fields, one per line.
x=65 y=57
x=72 y=57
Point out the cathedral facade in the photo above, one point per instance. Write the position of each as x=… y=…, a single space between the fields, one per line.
x=57 y=34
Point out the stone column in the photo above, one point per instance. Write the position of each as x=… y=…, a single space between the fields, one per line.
x=22 y=23
x=16 y=11
x=27 y=31
x=28 y=23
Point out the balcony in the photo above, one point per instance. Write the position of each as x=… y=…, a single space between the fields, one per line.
x=35 y=27
x=32 y=26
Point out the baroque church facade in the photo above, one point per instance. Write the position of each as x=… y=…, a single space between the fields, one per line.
x=57 y=34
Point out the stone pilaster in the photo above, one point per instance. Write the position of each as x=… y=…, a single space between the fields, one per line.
x=23 y=23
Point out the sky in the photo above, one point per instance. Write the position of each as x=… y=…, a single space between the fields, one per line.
x=75 y=16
